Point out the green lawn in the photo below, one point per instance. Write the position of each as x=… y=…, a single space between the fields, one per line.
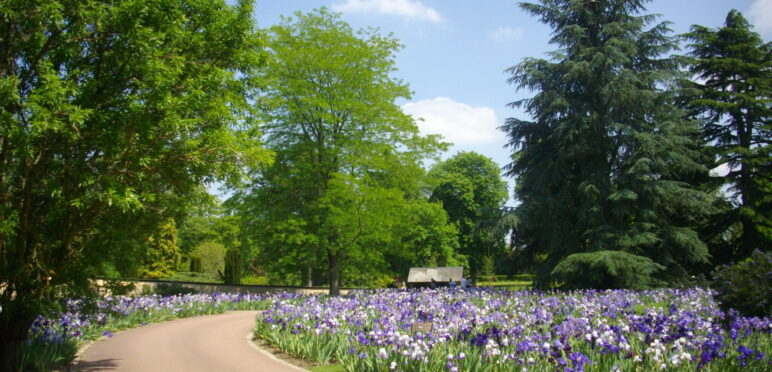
x=328 y=368
x=514 y=282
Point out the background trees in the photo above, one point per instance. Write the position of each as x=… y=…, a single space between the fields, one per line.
x=345 y=152
x=107 y=108
x=471 y=191
x=732 y=67
x=604 y=164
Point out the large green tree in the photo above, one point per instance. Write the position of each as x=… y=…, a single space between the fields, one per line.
x=732 y=67
x=471 y=191
x=105 y=108
x=601 y=169
x=342 y=147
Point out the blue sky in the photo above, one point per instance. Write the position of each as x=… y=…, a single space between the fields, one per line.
x=455 y=53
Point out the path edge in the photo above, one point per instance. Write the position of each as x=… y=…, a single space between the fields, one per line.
x=251 y=341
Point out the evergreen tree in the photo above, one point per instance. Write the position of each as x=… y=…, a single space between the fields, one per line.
x=162 y=255
x=603 y=164
x=232 y=272
x=731 y=98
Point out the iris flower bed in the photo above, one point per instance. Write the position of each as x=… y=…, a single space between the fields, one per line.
x=490 y=330
x=54 y=340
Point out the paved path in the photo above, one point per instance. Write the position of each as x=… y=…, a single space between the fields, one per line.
x=205 y=343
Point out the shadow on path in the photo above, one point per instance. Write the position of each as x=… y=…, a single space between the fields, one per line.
x=98 y=365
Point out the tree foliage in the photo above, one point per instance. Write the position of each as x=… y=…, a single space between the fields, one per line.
x=607 y=270
x=605 y=163
x=345 y=152
x=212 y=257
x=162 y=255
x=732 y=67
x=744 y=286
x=423 y=236
x=471 y=191
x=232 y=272
x=195 y=265
x=105 y=107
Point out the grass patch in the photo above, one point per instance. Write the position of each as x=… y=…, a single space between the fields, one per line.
x=514 y=282
x=328 y=368
x=255 y=280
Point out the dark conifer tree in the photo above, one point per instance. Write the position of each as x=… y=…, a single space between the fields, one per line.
x=732 y=67
x=601 y=169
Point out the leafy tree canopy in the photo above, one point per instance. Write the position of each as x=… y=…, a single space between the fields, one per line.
x=105 y=108
x=471 y=191
x=346 y=155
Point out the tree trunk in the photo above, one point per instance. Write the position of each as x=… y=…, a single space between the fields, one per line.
x=749 y=238
x=334 y=274
x=14 y=325
x=309 y=275
x=9 y=354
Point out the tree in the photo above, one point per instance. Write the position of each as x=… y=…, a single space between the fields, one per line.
x=216 y=226
x=105 y=107
x=212 y=256
x=232 y=272
x=162 y=255
x=340 y=142
x=603 y=166
x=731 y=98
x=471 y=191
x=195 y=230
x=424 y=236
x=195 y=265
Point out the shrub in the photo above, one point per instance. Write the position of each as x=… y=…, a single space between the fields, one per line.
x=162 y=255
x=195 y=264
x=744 y=286
x=232 y=274
x=173 y=289
x=187 y=276
x=607 y=270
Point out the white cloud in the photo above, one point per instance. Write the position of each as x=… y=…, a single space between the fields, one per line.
x=457 y=122
x=760 y=13
x=412 y=9
x=506 y=33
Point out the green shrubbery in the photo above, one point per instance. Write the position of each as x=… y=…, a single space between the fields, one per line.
x=607 y=270
x=195 y=264
x=212 y=257
x=162 y=255
x=744 y=286
x=232 y=272
x=173 y=289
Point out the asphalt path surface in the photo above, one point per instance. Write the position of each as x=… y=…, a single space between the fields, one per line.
x=205 y=343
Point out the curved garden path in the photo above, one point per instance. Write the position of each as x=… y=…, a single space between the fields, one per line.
x=205 y=343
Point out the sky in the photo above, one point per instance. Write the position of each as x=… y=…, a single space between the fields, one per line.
x=455 y=53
